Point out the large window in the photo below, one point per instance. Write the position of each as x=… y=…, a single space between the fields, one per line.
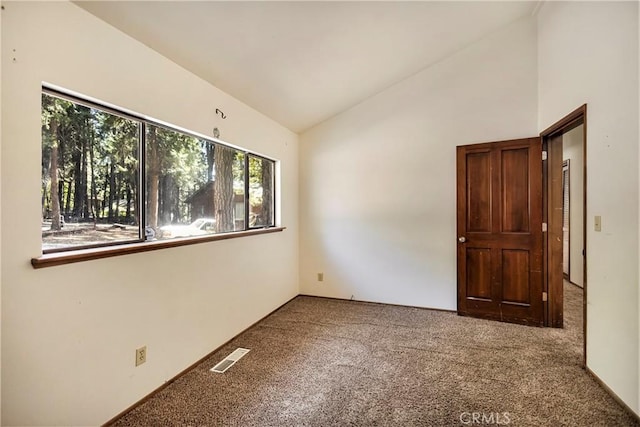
x=97 y=188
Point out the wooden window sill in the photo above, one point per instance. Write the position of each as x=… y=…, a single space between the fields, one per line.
x=61 y=258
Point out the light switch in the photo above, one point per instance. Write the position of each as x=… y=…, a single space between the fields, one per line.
x=598 y=223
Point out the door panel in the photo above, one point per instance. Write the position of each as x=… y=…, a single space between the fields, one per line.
x=499 y=217
x=515 y=190
x=515 y=276
x=479 y=191
x=479 y=273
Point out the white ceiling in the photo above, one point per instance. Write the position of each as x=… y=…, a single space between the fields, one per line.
x=303 y=62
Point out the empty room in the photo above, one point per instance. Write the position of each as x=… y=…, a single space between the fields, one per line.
x=319 y=213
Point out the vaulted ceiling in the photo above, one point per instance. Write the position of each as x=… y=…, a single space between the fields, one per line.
x=303 y=62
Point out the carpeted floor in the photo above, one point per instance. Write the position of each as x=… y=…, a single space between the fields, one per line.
x=323 y=362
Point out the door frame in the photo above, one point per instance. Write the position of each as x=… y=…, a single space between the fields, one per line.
x=566 y=187
x=554 y=306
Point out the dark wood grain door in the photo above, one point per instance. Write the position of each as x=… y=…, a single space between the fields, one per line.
x=499 y=222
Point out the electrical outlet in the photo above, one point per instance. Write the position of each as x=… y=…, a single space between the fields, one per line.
x=320 y=277
x=141 y=355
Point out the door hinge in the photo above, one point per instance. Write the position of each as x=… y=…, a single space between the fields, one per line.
x=544 y=227
x=544 y=296
x=544 y=156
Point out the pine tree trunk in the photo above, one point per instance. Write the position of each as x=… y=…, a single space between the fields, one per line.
x=223 y=188
x=154 y=178
x=67 y=203
x=112 y=187
x=267 y=192
x=44 y=199
x=64 y=196
x=77 y=181
x=85 y=173
x=117 y=198
x=53 y=170
x=129 y=197
x=136 y=205
x=94 y=197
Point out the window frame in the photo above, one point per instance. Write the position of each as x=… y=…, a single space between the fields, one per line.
x=57 y=256
x=141 y=172
x=246 y=192
x=69 y=257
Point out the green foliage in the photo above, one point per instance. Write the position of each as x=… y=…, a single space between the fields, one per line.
x=180 y=163
x=97 y=161
x=255 y=181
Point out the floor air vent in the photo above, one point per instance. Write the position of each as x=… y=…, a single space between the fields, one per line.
x=230 y=360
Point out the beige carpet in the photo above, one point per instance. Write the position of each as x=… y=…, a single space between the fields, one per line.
x=322 y=362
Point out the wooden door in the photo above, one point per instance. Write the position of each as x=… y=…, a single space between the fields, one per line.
x=499 y=221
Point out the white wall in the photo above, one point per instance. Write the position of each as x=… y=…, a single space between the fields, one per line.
x=572 y=150
x=69 y=333
x=588 y=53
x=377 y=182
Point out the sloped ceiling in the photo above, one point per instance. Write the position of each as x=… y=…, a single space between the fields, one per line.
x=303 y=62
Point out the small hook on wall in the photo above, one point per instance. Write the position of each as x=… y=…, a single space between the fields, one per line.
x=220 y=113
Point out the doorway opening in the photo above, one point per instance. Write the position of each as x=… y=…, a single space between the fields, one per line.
x=564 y=213
x=514 y=211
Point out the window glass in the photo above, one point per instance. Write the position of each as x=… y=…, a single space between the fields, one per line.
x=261 y=192
x=194 y=187
x=90 y=176
x=238 y=191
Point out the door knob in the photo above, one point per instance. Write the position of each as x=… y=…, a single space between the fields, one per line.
x=462 y=239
